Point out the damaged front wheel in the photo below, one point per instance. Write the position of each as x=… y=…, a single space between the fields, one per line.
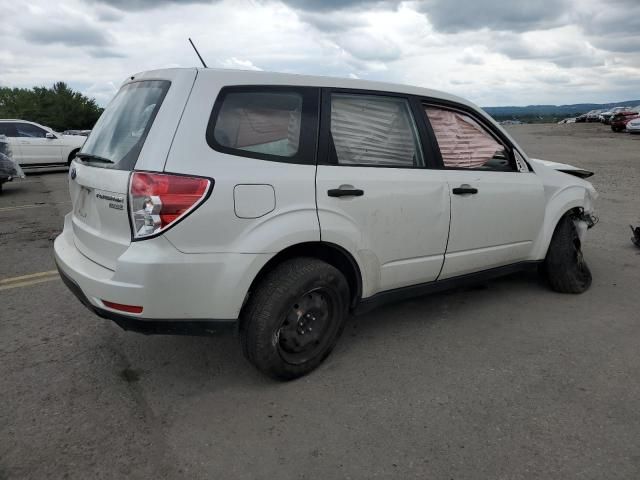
x=565 y=267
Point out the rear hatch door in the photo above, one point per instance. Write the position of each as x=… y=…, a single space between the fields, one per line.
x=134 y=133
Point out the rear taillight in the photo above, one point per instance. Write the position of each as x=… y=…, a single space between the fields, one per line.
x=157 y=200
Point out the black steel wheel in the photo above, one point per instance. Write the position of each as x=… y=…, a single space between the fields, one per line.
x=294 y=317
x=305 y=330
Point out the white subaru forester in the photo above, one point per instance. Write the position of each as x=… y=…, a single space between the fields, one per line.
x=278 y=204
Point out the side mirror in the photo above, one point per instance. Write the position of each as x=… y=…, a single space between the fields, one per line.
x=50 y=136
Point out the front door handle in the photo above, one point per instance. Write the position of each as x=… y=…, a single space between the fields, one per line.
x=345 y=192
x=464 y=189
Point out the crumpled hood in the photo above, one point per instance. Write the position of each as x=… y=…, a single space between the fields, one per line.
x=563 y=167
x=555 y=182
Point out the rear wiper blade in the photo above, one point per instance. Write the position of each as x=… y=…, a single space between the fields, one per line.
x=93 y=158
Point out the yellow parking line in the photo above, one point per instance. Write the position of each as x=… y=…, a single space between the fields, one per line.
x=26 y=280
x=28 y=283
x=28 y=277
x=34 y=205
x=19 y=207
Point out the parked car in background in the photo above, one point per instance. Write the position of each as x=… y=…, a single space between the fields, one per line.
x=581 y=118
x=9 y=169
x=633 y=126
x=35 y=146
x=605 y=117
x=619 y=120
x=593 y=115
x=276 y=204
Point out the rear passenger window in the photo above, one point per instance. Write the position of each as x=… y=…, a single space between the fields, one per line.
x=29 y=131
x=464 y=143
x=8 y=130
x=260 y=122
x=372 y=130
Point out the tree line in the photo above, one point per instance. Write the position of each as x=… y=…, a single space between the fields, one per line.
x=58 y=107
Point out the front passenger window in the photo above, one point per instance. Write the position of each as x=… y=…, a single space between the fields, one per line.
x=464 y=143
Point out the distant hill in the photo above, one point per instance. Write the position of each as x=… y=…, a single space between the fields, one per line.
x=536 y=113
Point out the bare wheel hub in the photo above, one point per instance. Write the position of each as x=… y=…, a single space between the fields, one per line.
x=305 y=325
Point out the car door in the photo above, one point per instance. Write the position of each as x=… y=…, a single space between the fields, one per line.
x=375 y=194
x=8 y=129
x=497 y=202
x=36 y=148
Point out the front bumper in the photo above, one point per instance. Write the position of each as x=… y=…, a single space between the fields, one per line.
x=200 y=292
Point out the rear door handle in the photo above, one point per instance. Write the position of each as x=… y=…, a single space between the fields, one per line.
x=464 y=189
x=345 y=192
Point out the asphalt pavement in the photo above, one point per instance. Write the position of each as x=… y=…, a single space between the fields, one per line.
x=506 y=380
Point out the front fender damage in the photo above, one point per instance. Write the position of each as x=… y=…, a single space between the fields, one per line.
x=584 y=218
x=583 y=221
x=566 y=195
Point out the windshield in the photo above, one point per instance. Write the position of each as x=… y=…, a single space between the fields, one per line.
x=120 y=132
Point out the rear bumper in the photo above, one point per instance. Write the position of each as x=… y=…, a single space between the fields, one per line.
x=149 y=327
x=198 y=291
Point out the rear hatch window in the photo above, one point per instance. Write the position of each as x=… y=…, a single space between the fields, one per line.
x=99 y=182
x=118 y=136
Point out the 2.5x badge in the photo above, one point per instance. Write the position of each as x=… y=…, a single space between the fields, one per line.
x=117 y=203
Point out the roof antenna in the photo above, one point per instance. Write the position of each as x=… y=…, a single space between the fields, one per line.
x=197 y=53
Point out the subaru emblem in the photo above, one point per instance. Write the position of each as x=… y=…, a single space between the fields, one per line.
x=73 y=173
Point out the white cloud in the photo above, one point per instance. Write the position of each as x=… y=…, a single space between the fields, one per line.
x=493 y=57
x=238 y=63
x=369 y=47
x=101 y=91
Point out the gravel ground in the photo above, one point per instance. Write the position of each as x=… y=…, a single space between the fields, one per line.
x=505 y=380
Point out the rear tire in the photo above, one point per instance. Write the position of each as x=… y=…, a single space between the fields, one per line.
x=565 y=266
x=294 y=317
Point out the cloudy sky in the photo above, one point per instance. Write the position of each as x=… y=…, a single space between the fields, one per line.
x=491 y=51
